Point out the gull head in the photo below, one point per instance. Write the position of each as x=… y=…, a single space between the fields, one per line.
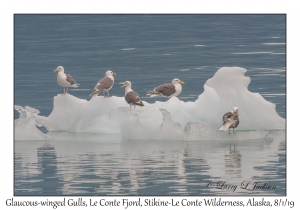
x=177 y=81
x=235 y=111
x=125 y=84
x=110 y=73
x=59 y=69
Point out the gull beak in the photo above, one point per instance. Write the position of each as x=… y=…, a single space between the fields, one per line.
x=181 y=82
x=55 y=70
x=114 y=74
x=122 y=83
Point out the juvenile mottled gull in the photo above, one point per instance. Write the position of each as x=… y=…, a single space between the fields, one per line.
x=230 y=120
x=131 y=97
x=168 y=89
x=65 y=80
x=104 y=84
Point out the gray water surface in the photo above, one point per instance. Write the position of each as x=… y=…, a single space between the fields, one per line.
x=134 y=167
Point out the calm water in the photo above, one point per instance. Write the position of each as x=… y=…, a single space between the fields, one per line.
x=148 y=167
x=147 y=50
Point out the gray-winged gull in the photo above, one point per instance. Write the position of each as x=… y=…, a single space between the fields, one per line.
x=65 y=80
x=167 y=89
x=131 y=97
x=104 y=84
x=230 y=120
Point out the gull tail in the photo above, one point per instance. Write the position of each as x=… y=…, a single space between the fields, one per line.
x=75 y=85
x=95 y=93
x=152 y=94
x=225 y=126
x=140 y=103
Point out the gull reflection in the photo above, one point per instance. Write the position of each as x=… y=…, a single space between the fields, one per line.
x=233 y=161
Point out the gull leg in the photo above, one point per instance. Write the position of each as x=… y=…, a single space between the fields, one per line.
x=229 y=131
x=67 y=90
x=233 y=130
x=108 y=94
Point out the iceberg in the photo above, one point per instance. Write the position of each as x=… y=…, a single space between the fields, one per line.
x=173 y=119
x=228 y=88
x=25 y=125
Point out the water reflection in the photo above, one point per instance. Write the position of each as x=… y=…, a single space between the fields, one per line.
x=133 y=167
x=47 y=165
x=36 y=169
x=233 y=161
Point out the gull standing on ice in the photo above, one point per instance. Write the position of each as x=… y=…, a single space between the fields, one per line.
x=65 y=80
x=131 y=97
x=230 y=120
x=104 y=84
x=167 y=89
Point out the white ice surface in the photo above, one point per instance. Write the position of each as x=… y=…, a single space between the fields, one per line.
x=173 y=119
x=25 y=126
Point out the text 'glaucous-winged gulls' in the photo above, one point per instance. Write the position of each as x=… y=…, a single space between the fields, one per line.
x=167 y=89
x=104 y=84
x=65 y=80
x=230 y=120
x=131 y=97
